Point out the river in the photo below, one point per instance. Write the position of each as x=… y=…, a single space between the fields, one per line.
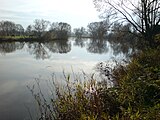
x=22 y=62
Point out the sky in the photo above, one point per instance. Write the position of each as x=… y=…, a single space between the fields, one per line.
x=77 y=13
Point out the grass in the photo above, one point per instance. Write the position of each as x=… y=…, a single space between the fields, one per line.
x=18 y=38
x=14 y=37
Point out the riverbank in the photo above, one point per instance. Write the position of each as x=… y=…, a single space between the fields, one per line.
x=25 y=39
x=18 y=39
x=135 y=95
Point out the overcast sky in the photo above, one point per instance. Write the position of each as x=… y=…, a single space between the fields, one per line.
x=75 y=12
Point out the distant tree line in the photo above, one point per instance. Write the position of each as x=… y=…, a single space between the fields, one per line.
x=60 y=30
x=40 y=29
x=45 y=29
x=95 y=30
x=57 y=30
x=140 y=18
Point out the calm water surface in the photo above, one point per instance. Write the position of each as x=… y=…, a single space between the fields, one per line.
x=21 y=62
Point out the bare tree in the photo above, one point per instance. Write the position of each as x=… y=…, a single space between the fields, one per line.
x=7 y=28
x=19 y=30
x=54 y=26
x=40 y=26
x=98 y=29
x=143 y=15
x=62 y=30
x=29 y=30
x=79 y=32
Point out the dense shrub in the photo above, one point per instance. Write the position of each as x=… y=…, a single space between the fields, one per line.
x=139 y=86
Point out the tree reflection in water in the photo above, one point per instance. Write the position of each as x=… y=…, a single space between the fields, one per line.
x=80 y=42
x=8 y=47
x=59 y=46
x=124 y=43
x=97 y=46
x=38 y=50
x=43 y=50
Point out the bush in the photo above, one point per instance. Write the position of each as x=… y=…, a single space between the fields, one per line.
x=74 y=101
x=139 y=86
x=135 y=96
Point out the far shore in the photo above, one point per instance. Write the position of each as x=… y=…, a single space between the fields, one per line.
x=29 y=39
x=23 y=39
x=20 y=39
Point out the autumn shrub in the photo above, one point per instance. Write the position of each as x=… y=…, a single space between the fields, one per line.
x=135 y=94
x=75 y=100
x=139 y=85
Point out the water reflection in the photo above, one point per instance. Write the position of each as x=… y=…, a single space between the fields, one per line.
x=38 y=50
x=43 y=50
x=8 y=47
x=59 y=46
x=127 y=44
x=121 y=48
x=97 y=46
x=79 y=42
